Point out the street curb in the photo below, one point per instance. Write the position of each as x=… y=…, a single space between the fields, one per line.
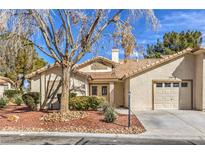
x=101 y=135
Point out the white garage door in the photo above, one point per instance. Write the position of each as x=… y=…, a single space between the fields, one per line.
x=172 y=95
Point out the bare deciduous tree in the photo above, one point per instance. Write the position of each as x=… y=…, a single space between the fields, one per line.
x=69 y=34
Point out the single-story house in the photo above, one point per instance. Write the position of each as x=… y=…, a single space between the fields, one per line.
x=5 y=84
x=172 y=82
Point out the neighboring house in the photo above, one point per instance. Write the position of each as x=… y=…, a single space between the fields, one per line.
x=5 y=83
x=173 y=82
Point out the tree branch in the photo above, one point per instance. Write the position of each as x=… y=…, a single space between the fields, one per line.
x=67 y=35
x=43 y=30
x=54 y=35
x=105 y=25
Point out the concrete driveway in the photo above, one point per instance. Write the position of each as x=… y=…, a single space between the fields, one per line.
x=173 y=123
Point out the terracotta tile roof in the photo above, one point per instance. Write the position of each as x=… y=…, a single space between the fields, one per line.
x=78 y=66
x=133 y=67
x=122 y=70
x=28 y=76
x=4 y=80
x=157 y=62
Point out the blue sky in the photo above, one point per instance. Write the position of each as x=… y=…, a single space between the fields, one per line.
x=169 y=20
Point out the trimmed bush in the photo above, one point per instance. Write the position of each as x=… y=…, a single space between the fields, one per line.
x=12 y=93
x=70 y=96
x=85 y=103
x=3 y=102
x=18 y=100
x=109 y=114
x=31 y=99
x=95 y=102
x=79 y=103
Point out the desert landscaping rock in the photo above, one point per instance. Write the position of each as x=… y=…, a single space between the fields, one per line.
x=73 y=121
x=62 y=117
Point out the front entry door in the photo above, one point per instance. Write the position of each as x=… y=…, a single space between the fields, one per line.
x=101 y=90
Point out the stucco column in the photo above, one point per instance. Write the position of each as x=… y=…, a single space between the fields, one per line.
x=86 y=88
x=203 y=83
x=42 y=88
x=9 y=86
x=112 y=93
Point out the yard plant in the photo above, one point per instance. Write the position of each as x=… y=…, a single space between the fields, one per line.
x=109 y=113
x=18 y=100
x=3 y=102
x=31 y=99
x=12 y=93
x=85 y=103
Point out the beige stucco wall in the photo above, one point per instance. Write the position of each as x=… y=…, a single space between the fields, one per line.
x=43 y=83
x=141 y=85
x=4 y=87
x=35 y=84
x=200 y=82
x=88 y=69
x=126 y=90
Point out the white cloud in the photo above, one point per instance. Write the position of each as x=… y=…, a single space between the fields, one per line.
x=186 y=19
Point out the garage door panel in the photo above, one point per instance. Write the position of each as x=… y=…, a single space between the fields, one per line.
x=172 y=96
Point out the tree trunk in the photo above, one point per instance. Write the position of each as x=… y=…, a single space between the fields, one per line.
x=65 y=88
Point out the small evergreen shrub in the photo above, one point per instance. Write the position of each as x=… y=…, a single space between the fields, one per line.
x=85 y=103
x=31 y=99
x=79 y=103
x=109 y=113
x=95 y=102
x=11 y=93
x=3 y=102
x=18 y=100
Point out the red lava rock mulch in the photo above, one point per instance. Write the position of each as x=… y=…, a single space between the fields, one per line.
x=91 y=122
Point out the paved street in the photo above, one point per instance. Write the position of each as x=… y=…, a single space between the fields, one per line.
x=42 y=140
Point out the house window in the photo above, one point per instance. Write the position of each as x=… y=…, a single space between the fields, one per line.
x=184 y=84
x=175 y=84
x=167 y=85
x=94 y=90
x=159 y=85
x=104 y=90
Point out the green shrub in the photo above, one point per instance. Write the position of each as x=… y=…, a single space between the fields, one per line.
x=18 y=100
x=3 y=102
x=95 y=102
x=109 y=114
x=79 y=103
x=104 y=106
x=85 y=103
x=31 y=99
x=12 y=93
x=70 y=96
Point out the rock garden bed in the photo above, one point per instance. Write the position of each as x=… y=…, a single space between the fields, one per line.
x=20 y=118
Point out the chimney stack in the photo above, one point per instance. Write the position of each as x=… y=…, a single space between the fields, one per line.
x=115 y=55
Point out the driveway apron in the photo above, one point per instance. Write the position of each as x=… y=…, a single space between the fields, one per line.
x=181 y=123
